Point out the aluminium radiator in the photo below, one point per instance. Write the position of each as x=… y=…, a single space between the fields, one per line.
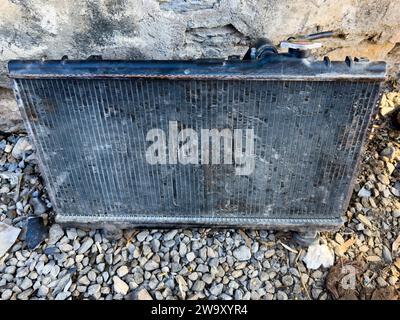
x=299 y=124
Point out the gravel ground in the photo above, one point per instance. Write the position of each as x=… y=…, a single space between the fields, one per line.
x=52 y=263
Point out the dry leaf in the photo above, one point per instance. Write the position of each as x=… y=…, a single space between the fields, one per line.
x=245 y=237
x=287 y=247
x=268 y=243
x=335 y=278
x=340 y=250
x=396 y=244
x=387 y=293
x=373 y=258
x=397 y=263
x=364 y=220
x=338 y=238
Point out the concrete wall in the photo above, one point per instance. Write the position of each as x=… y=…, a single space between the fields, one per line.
x=162 y=29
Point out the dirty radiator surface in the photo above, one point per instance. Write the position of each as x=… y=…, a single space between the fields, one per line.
x=91 y=139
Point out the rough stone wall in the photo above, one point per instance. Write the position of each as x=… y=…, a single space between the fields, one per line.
x=184 y=29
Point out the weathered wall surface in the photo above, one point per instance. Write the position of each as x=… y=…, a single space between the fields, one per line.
x=162 y=29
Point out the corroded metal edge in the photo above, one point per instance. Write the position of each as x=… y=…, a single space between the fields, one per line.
x=126 y=222
x=375 y=106
x=278 y=67
x=283 y=77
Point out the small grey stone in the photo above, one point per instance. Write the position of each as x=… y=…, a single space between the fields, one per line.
x=39 y=207
x=315 y=293
x=86 y=245
x=238 y=294
x=22 y=272
x=72 y=234
x=268 y=286
x=26 y=283
x=98 y=238
x=94 y=289
x=196 y=245
x=10 y=269
x=247 y=296
x=24 y=295
x=203 y=254
x=202 y=268
x=198 y=285
x=213 y=262
x=61 y=257
x=182 y=249
x=281 y=295
x=7 y=277
x=62 y=284
x=190 y=256
x=317 y=274
x=146 y=250
x=170 y=235
x=387 y=256
x=193 y=276
x=101 y=267
x=109 y=258
x=169 y=244
x=141 y=236
x=122 y=271
x=170 y=283
x=153 y=283
x=269 y=253
x=287 y=280
x=364 y=193
x=42 y=291
x=92 y=275
x=242 y=253
x=84 y=280
x=155 y=245
x=255 y=247
x=208 y=278
x=216 y=289
x=22 y=147
x=62 y=295
x=51 y=251
x=138 y=277
x=254 y=284
x=65 y=247
x=151 y=265
x=143 y=294
x=6 y=295
x=105 y=276
x=81 y=289
x=159 y=295
x=55 y=233
x=225 y=296
x=120 y=286
x=388 y=152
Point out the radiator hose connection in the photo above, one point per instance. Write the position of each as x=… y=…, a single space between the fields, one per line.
x=300 y=46
x=262 y=48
